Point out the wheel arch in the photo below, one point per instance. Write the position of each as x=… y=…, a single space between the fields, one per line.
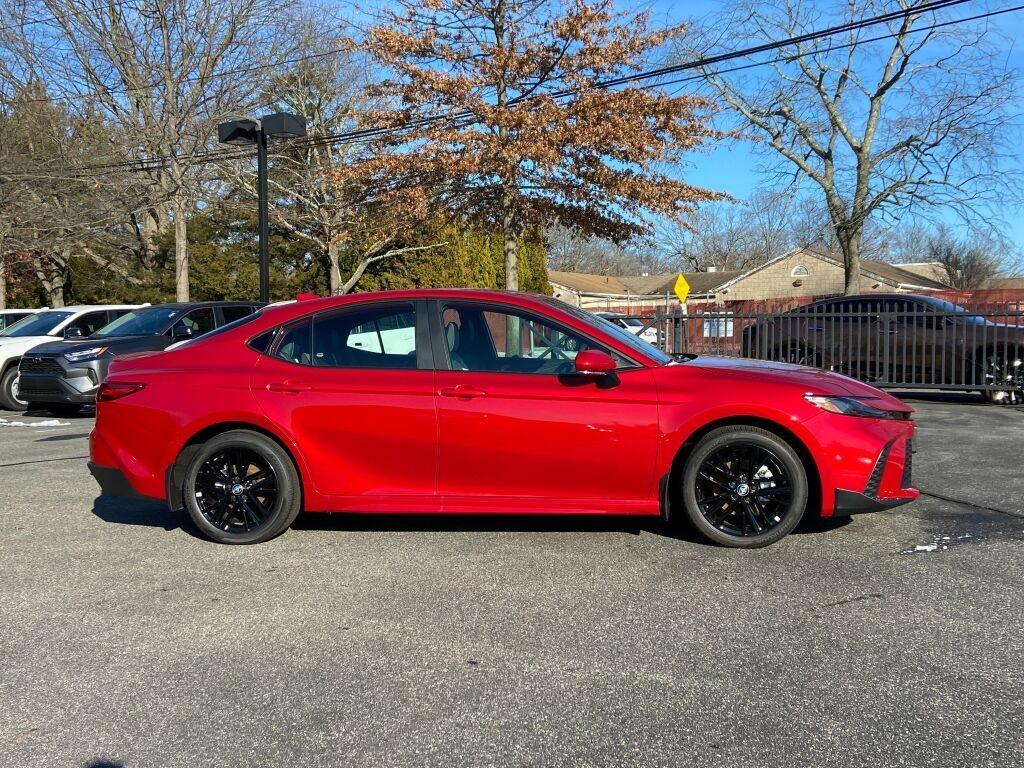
x=672 y=496
x=175 y=476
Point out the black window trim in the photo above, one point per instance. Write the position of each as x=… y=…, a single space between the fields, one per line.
x=443 y=363
x=423 y=346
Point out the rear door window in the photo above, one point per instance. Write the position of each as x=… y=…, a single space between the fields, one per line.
x=380 y=337
x=235 y=313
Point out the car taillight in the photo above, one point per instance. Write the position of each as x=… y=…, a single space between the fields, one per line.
x=115 y=390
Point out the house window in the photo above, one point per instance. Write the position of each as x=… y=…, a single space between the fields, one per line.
x=718 y=326
x=800 y=271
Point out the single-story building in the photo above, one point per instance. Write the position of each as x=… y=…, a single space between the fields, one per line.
x=802 y=273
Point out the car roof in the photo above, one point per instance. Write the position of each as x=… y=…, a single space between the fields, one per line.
x=93 y=307
x=197 y=304
x=305 y=306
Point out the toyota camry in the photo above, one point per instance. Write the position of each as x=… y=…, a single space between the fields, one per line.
x=469 y=401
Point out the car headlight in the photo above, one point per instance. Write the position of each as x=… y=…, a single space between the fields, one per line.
x=86 y=354
x=853 y=406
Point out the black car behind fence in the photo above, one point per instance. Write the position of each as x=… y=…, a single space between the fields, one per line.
x=917 y=342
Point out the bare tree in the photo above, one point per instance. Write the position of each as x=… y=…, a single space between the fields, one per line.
x=969 y=262
x=344 y=220
x=163 y=72
x=731 y=234
x=879 y=127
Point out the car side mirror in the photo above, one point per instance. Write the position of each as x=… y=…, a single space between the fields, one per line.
x=181 y=332
x=73 y=333
x=594 y=362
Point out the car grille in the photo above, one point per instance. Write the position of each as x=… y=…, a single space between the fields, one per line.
x=29 y=390
x=41 y=366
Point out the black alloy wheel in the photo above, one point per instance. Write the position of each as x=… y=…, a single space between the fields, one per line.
x=242 y=488
x=1005 y=368
x=744 y=487
x=236 y=489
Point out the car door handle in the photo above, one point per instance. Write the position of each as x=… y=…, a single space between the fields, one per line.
x=461 y=391
x=288 y=387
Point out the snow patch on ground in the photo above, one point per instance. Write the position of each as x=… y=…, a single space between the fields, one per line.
x=44 y=423
x=937 y=544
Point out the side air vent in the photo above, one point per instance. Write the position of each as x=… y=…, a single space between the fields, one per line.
x=875 y=481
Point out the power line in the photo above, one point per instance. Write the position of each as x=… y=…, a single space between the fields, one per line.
x=366 y=134
x=925 y=7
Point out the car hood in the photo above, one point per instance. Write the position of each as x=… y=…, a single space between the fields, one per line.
x=117 y=345
x=16 y=345
x=811 y=380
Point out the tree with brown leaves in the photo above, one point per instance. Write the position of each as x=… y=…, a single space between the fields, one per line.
x=499 y=111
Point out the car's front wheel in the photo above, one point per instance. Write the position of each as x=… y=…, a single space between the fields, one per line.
x=241 y=487
x=744 y=487
x=9 y=397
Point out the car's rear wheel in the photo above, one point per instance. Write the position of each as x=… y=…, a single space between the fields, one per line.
x=744 y=487
x=9 y=397
x=241 y=487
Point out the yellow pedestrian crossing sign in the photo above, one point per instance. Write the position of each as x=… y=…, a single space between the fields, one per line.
x=682 y=289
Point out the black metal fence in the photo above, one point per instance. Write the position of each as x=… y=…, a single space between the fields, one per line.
x=891 y=344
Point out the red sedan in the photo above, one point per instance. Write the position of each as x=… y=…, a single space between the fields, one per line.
x=450 y=401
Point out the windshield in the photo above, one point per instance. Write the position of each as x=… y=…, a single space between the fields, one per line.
x=631 y=340
x=141 y=322
x=940 y=305
x=37 y=325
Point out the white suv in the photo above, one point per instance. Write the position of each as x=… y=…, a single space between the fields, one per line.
x=632 y=324
x=9 y=317
x=66 y=322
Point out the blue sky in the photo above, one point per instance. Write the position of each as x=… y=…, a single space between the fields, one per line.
x=733 y=167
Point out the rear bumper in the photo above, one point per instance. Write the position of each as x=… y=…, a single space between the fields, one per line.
x=113 y=482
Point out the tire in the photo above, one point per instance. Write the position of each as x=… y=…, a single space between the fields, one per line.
x=1003 y=366
x=9 y=391
x=752 y=479
x=234 y=513
x=63 y=409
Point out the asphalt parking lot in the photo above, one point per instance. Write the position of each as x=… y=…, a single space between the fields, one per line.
x=892 y=640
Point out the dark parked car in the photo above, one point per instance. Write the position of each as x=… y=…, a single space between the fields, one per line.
x=897 y=339
x=63 y=376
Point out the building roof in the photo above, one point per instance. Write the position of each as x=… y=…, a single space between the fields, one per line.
x=1004 y=283
x=897 y=275
x=933 y=270
x=710 y=283
x=643 y=285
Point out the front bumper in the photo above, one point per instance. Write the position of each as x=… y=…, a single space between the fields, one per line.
x=889 y=485
x=54 y=380
x=853 y=503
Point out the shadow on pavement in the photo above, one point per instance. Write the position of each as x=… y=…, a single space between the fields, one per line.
x=123 y=511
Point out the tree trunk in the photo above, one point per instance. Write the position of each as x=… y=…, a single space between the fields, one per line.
x=334 y=267
x=3 y=280
x=509 y=231
x=850 y=243
x=180 y=250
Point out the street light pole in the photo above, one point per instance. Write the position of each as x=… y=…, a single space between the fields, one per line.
x=249 y=131
x=264 y=214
